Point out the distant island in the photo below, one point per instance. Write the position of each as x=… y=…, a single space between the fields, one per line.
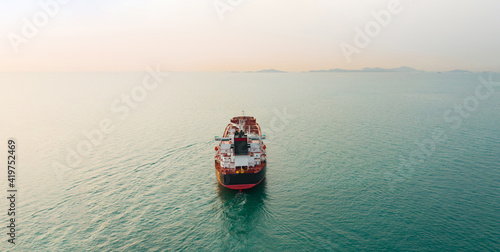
x=458 y=71
x=369 y=69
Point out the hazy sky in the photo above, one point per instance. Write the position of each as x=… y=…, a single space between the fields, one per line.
x=293 y=35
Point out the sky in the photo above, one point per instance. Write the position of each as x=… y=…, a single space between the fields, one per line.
x=241 y=35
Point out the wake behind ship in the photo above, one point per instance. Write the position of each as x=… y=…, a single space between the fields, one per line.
x=240 y=156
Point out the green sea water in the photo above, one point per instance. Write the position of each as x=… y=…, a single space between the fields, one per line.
x=356 y=162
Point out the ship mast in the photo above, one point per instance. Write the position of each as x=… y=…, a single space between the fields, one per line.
x=240 y=122
x=240 y=125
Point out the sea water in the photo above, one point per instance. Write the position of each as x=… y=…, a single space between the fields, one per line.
x=356 y=161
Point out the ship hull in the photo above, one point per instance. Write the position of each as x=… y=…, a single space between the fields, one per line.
x=241 y=181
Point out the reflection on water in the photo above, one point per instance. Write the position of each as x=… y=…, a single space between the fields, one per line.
x=240 y=214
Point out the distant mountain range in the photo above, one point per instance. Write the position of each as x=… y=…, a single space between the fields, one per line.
x=403 y=69
x=369 y=69
x=459 y=71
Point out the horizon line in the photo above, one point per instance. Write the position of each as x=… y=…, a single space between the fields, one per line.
x=265 y=70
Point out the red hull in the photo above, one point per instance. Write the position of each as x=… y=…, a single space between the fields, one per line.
x=240 y=186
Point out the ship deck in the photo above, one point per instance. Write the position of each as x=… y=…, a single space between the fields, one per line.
x=251 y=128
x=239 y=170
x=251 y=125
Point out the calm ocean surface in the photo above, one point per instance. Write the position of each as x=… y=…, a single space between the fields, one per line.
x=356 y=162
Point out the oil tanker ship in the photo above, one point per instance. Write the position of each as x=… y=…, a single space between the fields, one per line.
x=240 y=156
